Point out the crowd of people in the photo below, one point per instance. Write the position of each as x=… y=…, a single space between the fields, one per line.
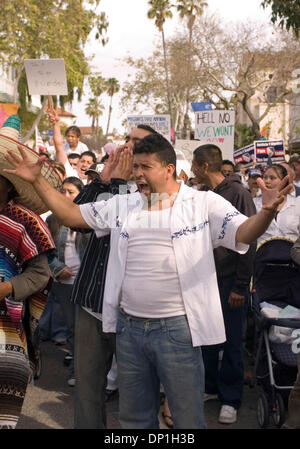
x=143 y=272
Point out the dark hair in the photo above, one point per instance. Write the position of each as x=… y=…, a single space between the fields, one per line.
x=211 y=154
x=73 y=156
x=228 y=162
x=75 y=129
x=75 y=181
x=89 y=153
x=156 y=144
x=279 y=169
x=104 y=158
x=147 y=128
x=12 y=193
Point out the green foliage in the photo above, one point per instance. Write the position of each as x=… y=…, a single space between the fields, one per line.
x=160 y=10
x=31 y=29
x=286 y=12
x=244 y=136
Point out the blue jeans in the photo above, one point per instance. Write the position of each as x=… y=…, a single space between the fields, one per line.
x=228 y=379
x=52 y=323
x=150 y=351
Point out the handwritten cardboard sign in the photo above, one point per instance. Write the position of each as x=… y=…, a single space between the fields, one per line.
x=46 y=76
x=217 y=128
x=160 y=123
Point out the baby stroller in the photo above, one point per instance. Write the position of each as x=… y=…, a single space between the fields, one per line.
x=276 y=281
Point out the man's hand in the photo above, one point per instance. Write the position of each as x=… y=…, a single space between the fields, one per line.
x=111 y=164
x=123 y=169
x=52 y=115
x=236 y=300
x=271 y=198
x=66 y=273
x=25 y=168
x=6 y=289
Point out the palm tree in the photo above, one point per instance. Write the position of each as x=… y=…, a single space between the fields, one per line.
x=160 y=11
x=113 y=87
x=94 y=109
x=189 y=9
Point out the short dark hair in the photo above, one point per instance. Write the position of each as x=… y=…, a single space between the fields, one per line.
x=75 y=129
x=211 y=154
x=147 y=128
x=89 y=153
x=75 y=181
x=228 y=162
x=73 y=156
x=156 y=144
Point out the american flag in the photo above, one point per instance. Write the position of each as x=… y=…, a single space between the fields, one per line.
x=39 y=144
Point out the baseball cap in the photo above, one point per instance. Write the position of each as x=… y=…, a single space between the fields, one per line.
x=253 y=172
x=95 y=168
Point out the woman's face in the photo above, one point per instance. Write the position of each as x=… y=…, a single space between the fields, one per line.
x=72 y=139
x=271 y=178
x=69 y=190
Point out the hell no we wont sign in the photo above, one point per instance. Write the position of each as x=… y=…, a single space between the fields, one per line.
x=216 y=127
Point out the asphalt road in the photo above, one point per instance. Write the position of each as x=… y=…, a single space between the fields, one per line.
x=49 y=403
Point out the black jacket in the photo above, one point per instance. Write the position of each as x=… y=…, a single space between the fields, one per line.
x=229 y=262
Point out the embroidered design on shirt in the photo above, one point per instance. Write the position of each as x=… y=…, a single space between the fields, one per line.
x=227 y=219
x=187 y=230
x=124 y=235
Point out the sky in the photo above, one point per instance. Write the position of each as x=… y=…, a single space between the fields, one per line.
x=130 y=32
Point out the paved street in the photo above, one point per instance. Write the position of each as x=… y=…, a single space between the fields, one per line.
x=49 y=403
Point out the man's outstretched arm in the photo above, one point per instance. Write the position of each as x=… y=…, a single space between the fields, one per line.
x=67 y=212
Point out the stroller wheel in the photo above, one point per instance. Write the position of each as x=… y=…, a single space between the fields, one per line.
x=263 y=411
x=278 y=414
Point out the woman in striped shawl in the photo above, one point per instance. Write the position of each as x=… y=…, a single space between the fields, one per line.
x=24 y=282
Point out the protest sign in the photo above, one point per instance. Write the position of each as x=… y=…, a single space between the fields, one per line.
x=262 y=152
x=267 y=150
x=217 y=128
x=160 y=123
x=46 y=76
x=245 y=155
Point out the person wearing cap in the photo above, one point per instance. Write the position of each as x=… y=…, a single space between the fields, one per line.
x=93 y=172
x=25 y=278
x=253 y=175
x=295 y=163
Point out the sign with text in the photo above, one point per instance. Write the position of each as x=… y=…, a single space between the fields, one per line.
x=262 y=152
x=160 y=123
x=46 y=76
x=269 y=149
x=245 y=156
x=217 y=128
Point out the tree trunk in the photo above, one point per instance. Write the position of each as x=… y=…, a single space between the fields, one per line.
x=109 y=116
x=18 y=76
x=167 y=76
x=188 y=80
x=36 y=122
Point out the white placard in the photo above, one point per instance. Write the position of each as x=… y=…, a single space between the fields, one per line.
x=217 y=128
x=160 y=123
x=46 y=76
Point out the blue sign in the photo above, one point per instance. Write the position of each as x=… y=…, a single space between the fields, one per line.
x=203 y=106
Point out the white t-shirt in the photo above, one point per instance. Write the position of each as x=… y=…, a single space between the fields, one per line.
x=71 y=171
x=81 y=148
x=71 y=257
x=287 y=222
x=151 y=285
